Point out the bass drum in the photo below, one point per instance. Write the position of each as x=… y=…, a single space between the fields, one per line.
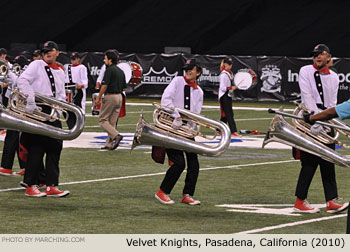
x=245 y=79
x=132 y=72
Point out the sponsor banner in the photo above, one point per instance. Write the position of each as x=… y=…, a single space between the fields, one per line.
x=277 y=76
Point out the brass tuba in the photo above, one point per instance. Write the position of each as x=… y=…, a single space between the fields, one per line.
x=163 y=135
x=281 y=131
x=16 y=69
x=3 y=69
x=323 y=137
x=16 y=118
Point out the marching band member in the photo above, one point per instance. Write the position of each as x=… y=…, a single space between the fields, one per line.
x=182 y=92
x=226 y=77
x=100 y=77
x=319 y=88
x=112 y=86
x=45 y=77
x=4 y=84
x=11 y=143
x=36 y=55
x=76 y=74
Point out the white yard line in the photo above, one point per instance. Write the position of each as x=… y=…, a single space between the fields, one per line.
x=155 y=174
x=296 y=223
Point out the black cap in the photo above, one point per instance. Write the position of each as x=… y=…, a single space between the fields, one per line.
x=21 y=60
x=48 y=46
x=3 y=51
x=36 y=53
x=74 y=55
x=319 y=49
x=190 y=64
x=228 y=60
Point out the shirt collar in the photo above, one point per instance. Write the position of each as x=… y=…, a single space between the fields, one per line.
x=324 y=70
x=191 y=84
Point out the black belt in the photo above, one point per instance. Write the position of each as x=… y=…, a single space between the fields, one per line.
x=113 y=93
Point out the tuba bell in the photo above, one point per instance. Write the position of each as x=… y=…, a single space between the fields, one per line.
x=163 y=135
x=281 y=131
x=16 y=118
x=16 y=69
x=3 y=70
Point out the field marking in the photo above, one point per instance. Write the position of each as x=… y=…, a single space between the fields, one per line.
x=155 y=174
x=291 y=224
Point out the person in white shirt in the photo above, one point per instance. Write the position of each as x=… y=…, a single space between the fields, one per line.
x=4 y=84
x=319 y=88
x=182 y=92
x=226 y=78
x=46 y=77
x=76 y=74
x=11 y=143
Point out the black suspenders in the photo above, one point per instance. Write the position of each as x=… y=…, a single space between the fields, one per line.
x=319 y=88
x=187 y=97
x=52 y=80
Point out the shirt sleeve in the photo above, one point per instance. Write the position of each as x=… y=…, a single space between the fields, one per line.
x=343 y=110
x=84 y=76
x=224 y=81
x=102 y=73
x=25 y=79
x=168 y=97
x=107 y=77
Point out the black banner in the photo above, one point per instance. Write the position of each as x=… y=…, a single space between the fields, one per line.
x=277 y=77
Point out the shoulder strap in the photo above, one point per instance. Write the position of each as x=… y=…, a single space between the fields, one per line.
x=319 y=85
x=52 y=80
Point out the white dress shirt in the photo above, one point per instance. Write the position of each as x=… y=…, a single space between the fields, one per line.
x=173 y=96
x=102 y=74
x=35 y=79
x=309 y=93
x=79 y=76
x=225 y=78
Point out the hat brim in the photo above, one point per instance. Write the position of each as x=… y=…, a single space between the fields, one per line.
x=189 y=67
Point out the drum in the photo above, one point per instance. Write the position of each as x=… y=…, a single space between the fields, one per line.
x=69 y=96
x=245 y=79
x=96 y=107
x=132 y=72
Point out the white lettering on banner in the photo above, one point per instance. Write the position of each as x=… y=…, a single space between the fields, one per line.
x=94 y=70
x=207 y=76
x=292 y=77
x=161 y=77
x=344 y=77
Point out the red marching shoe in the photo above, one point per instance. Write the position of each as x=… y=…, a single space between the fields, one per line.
x=6 y=172
x=33 y=191
x=53 y=191
x=21 y=173
x=163 y=198
x=332 y=206
x=303 y=206
x=187 y=199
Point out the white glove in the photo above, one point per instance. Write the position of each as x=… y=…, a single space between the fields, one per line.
x=177 y=123
x=316 y=129
x=31 y=107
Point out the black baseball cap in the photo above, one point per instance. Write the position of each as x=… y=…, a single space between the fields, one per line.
x=36 y=53
x=319 y=49
x=190 y=64
x=48 y=46
x=3 y=51
x=228 y=60
x=21 y=60
x=74 y=55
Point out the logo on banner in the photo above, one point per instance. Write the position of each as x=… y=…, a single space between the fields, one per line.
x=161 y=77
x=208 y=79
x=271 y=79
